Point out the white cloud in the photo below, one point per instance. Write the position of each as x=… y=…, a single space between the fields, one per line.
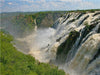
x=71 y=0
x=35 y=0
x=10 y=3
x=30 y=1
x=42 y=0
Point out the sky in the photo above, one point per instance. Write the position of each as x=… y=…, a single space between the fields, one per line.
x=47 y=5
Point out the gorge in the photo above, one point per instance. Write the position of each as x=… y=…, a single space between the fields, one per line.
x=72 y=43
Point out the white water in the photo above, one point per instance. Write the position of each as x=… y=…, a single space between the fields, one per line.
x=78 y=58
x=84 y=54
x=43 y=44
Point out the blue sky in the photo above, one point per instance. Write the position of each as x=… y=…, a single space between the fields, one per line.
x=47 y=5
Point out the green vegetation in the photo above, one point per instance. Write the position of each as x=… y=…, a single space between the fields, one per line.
x=44 y=19
x=13 y=62
x=66 y=46
x=84 y=11
x=24 y=22
x=88 y=28
x=87 y=25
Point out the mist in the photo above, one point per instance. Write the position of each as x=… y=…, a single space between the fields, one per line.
x=36 y=43
x=32 y=42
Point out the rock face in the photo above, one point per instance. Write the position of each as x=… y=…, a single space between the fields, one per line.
x=75 y=44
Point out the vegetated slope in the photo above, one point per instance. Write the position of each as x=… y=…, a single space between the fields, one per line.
x=13 y=62
x=21 y=23
x=43 y=19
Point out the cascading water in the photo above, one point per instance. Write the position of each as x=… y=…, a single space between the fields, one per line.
x=84 y=54
x=73 y=43
x=79 y=59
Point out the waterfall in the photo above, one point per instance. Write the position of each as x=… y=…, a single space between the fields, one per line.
x=80 y=58
x=85 y=53
x=72 y=43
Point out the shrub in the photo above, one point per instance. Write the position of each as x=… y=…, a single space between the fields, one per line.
x=13 y=62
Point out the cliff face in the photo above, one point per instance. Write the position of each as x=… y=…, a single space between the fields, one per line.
x=47 y=19
x=75 y=44
x=22 y=23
